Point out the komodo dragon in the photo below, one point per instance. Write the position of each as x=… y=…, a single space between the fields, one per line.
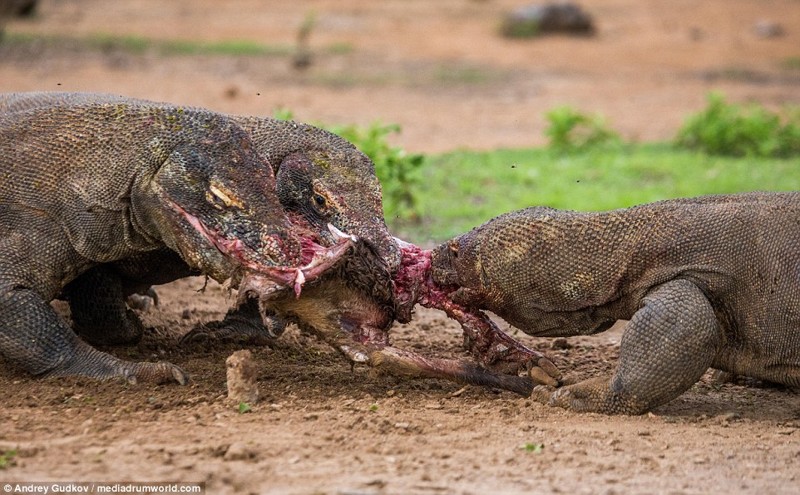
x=707 y=282
x=321 y=179
x=87 y=183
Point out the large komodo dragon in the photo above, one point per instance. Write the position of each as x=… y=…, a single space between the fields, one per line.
x=707 y=282
x=321 y=179
x=87 y=183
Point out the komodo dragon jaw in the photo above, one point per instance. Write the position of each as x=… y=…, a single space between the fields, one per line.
x=314 y=259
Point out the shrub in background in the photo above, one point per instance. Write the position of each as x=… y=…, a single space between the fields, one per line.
x=396 y=169
x=736 y=130
x=571 y=130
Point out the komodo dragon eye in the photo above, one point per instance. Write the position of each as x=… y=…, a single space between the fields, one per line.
x=220 y=194
x=320 y=201
x=453 y=247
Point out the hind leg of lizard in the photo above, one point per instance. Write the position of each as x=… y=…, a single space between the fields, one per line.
x=99 y=312
x=33 y=337
x=666 y=347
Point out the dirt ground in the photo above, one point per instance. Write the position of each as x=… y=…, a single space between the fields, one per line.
x=440 y=70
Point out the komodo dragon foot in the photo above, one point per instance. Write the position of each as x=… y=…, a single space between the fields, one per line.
x=35 y=338
x=666 y=347
x=88 y=361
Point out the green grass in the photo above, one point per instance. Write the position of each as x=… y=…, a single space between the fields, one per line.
x=790 y=63
x=7 y=458
x=138 y=45
x=462 y=189
x=724 y=128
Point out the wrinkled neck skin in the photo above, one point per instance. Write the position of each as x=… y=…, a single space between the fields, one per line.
x=155 y=215
x=152 y=216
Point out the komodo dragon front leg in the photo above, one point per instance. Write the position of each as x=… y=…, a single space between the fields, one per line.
x=667 y=346
x=98 y=297
x=34 y=336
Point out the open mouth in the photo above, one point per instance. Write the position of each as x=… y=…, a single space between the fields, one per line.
x=316 y=258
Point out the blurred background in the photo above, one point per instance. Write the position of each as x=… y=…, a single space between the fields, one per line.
x=443 y=85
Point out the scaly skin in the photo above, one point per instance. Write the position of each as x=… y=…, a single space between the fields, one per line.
x=94 y=179
x=321 y=179
x=705 y=282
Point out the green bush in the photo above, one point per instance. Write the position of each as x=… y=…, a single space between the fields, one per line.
x=397 y=170
x=727 y=129
x=571 y=130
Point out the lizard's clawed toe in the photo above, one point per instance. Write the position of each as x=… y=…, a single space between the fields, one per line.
x=542 y=393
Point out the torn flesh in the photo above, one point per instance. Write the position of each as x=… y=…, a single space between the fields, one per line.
x=361 y=334
x=316 y=258
x=489 y=345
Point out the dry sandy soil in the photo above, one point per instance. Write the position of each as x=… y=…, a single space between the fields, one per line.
x=440 y=70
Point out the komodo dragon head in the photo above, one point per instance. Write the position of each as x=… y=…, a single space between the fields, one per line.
x=222 y=212
x=203 y=187
x=323 y=179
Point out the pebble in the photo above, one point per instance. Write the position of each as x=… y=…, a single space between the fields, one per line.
x=242 y=374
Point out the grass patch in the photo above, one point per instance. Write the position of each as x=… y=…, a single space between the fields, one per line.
x=139 y=45
x=7 y=458
x=570 y=130
x=462 y=189
x=790 y=63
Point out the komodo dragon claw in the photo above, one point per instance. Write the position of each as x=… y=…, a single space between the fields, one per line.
x=88 y=361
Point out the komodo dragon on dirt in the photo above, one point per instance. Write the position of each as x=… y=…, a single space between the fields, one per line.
x=321 y=180
x=706 y=282
x=97 y=182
